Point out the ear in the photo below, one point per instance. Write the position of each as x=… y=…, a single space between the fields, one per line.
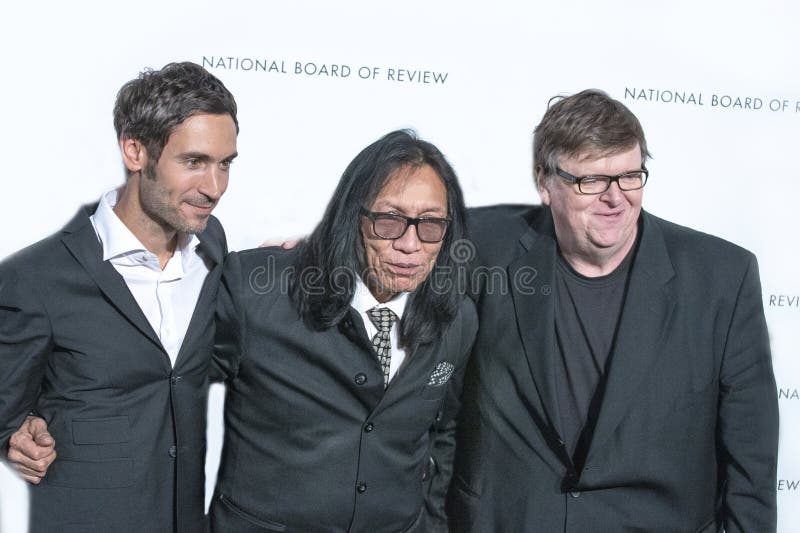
x=542 y=184
x=134 y=154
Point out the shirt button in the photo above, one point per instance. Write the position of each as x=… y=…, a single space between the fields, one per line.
x=361 y=488
x=360 y=378
x=369 y=427
x=173 y=451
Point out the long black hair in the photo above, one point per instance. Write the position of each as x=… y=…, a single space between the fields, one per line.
x=327 y=262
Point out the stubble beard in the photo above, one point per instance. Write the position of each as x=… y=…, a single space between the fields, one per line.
x=155 y=201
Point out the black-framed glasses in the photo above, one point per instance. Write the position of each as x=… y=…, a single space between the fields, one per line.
x=627 y=181
x=394 y=226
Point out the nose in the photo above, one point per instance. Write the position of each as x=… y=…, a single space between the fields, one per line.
x=214 y=182
x=409 y=241
x=613 y=194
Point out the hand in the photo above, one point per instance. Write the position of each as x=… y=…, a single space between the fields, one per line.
x=32 y=449
x=286 y=245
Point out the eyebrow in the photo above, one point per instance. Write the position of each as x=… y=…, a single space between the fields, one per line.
x=430 y=209
x=205 y=157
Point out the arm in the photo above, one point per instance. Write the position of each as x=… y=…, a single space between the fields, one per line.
x=747 y=429
x=25 y=344
x=443 y=446
x=229 y=322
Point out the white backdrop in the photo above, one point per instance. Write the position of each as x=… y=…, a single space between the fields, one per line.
x=714 y=84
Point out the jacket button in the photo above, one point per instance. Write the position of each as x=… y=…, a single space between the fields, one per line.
x=361 y=488
x=360 y=378
x=174 y=380
x=173 y=451
x=575 y=494
x=369 y=427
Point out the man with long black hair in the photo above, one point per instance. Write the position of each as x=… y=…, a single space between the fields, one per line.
x=339 y=383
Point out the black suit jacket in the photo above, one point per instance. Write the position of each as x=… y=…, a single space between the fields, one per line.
x=129 y=429
x=312 y=441
x=687 y=433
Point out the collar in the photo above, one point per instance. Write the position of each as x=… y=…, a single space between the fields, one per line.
x=121 y=246
x=363 y=300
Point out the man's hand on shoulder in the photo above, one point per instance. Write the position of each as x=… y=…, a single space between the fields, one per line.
x=32 y=449
x=286 y=245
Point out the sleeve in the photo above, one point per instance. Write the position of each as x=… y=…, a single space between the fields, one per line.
x=25 y=344
x=747 y=428
x=442 y=451
x=230 y=322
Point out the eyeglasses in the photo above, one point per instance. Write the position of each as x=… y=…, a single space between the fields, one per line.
x=627 y=181
x=394 y=226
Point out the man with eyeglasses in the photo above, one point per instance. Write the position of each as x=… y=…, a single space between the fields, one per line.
x=621 y=379
x=339 y=385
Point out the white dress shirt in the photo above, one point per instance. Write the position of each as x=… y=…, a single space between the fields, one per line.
x=166 y=297
x=363 y=301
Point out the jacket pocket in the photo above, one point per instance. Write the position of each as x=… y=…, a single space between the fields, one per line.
x=108 y=474
x=231 y=507
x=462 y=506
x=112 y=430
x=710 y=527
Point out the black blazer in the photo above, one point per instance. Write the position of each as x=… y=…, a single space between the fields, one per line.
x=687 y=433
x=312 y=441
x=129 y=430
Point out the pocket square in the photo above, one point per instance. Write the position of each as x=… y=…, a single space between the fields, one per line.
x=441 y=374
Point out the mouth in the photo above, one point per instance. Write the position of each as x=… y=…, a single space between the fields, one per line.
x=613 y=216
x=404 y=269
x=203 y=209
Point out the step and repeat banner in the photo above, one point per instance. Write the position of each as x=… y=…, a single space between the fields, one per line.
x=714 y=84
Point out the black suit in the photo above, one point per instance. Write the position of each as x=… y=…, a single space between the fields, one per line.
x=312 y=441
x=687 y=432
x=129 y=429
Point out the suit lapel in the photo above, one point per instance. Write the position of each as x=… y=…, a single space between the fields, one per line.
x=206 y=300
x=646 y=313
x=82 y=242
x=352 y=327
x=531 y=282
x=534 y=316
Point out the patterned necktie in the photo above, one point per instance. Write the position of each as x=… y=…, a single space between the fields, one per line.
x=383 y=318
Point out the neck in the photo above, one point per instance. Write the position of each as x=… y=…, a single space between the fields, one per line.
x=157 y=238
x=381 y=294
x=595 y=263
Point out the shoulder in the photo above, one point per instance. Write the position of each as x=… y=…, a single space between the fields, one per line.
x=697 y=243
x=271 y=255
x=502 y=216
x=214 y=233
x=700 y=253
x=495 y=230
x=35 y=259
x=264 y=269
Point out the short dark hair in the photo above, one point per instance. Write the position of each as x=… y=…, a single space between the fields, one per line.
x=335 y=249
x=151 y=106
x=589 y=121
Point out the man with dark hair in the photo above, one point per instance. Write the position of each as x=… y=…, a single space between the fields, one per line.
x=338 y=389
x=106 y=327
x=622 y=380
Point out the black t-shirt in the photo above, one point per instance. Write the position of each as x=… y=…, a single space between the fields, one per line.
x=587 y=312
